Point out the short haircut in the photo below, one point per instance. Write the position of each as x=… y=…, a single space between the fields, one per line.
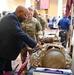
x=4 y=12
x=31 y=9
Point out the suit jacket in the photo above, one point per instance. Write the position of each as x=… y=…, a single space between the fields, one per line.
x=12 y=37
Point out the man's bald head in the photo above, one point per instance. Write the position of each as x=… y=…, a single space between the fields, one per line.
x=20 y=8
x=21 y=12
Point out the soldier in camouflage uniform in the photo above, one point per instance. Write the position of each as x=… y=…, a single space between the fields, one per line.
x=40 y=19
x=32 y=27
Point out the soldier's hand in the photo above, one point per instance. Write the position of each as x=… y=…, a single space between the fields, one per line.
x=40 y=36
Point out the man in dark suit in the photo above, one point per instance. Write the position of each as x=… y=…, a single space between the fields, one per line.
x=13 y=38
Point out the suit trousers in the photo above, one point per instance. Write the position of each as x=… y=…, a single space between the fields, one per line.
x=5 y=65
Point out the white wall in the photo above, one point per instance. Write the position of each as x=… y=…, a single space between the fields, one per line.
x=3 y=5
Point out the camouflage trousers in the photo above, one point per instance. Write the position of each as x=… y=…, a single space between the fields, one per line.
x=23 y=58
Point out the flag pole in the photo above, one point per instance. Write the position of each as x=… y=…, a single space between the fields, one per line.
x=71 y=27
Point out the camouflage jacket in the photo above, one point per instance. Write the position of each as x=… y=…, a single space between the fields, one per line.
x=31 y=27
x=42 y=22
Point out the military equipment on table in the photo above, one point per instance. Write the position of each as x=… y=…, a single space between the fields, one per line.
x=52 y=56
x=50 y=38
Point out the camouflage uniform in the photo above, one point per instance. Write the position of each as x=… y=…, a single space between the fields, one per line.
x=42 y=22
x=31 y=27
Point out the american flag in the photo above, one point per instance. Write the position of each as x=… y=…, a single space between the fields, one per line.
x=44 y=4
x=68 y=7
